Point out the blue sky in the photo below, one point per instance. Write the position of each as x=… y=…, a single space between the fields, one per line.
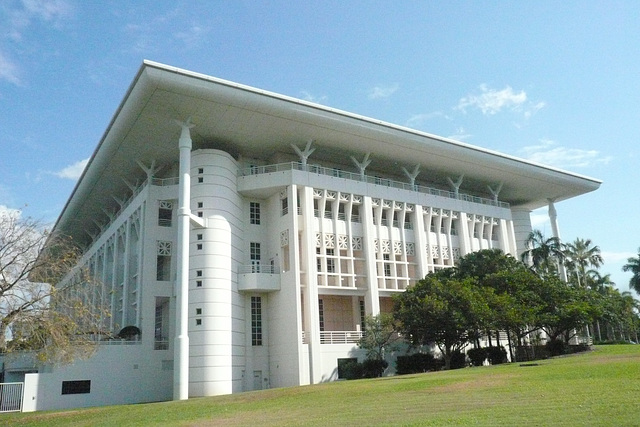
x=555 y=82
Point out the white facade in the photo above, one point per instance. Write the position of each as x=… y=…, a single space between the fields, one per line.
x=287 y=243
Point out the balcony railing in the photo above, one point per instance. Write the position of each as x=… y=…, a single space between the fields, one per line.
x=320 y=170
x=258 y=268
x=340 y=337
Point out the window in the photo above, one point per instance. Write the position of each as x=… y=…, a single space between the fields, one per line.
x=198 y=283
x=199 y=273
x=199 y=246
x=285 y=206
x=198 y=311
x=254 y=250
x=200 y=170
x=256 y=321
x=162 y=324
x=163 y=261
x=254 y=213
x=321 y=314
x=387 y=266
x=331 y=262
x=200 y=205
x=165 y=213
x=76 y=387
x=362 y=315
x=198 y=322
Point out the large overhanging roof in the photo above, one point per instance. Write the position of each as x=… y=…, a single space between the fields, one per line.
x=256 y=123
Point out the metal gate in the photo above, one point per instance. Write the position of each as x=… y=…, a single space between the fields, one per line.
x=11 y=397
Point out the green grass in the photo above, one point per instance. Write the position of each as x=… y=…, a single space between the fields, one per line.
x=601 y=387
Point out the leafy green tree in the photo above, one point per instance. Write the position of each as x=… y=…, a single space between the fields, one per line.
x=633 y=265
x=443 y=310
x=378 y=335
x=566 y=308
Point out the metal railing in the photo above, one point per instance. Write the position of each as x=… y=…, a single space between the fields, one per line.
x=11 y=397
x=258 y=268
x=320 y=170
x=340 y=337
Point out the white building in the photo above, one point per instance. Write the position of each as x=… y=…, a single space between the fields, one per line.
x=246 y=234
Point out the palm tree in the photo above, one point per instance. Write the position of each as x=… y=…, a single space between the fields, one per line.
x=580 y=255
x=543 y=255
x=633 y=265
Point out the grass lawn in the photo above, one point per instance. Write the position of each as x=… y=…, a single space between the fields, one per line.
x=601 y=387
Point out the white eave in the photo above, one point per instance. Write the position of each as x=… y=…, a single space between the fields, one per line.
x=256 y=123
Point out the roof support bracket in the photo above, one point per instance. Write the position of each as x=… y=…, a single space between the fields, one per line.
x=455 y=185
x=362 y=166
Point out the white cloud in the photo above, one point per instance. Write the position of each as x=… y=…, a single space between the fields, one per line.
x=192 y=36
x=312 y=98
x=48 y=10
x=491 y=101
x=418 y=119
x=72 y=171
x=460 y=135
x=382 y=91
x=548 y=153
x=617 y=257
x=9 y=70
x=16 y=22
x=7 y=211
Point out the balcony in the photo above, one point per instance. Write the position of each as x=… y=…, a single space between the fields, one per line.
x=340 y=337
x=257 y=170
x=258 y=278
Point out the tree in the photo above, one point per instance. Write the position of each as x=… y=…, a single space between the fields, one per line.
x=54 y=323
x=579 y=256
x=633 y=265
x=379 y=333
x=566 y=308
x=543 y=254
x=515 y=302
x=443 y=310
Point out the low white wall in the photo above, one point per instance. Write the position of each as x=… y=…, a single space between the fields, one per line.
x=119 y=374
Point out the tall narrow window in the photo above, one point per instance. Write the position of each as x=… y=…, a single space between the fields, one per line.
x=331 y=262
x=254 y=249
x=254 y=213
x=256 y=321
x=165 y=213
x=162 y=323
x=163 y=261
x=362 y=316
x=285 y=206
x=321 y=314
x=387 y=266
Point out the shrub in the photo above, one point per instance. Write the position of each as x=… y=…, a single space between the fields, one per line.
x=373 y=368
x=352 y=370
x=458 y=360
x=416 y=363
x=477 y=356
x=556 y=347
x=496 y=355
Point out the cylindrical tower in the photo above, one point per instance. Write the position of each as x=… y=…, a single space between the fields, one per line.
x=213 y=294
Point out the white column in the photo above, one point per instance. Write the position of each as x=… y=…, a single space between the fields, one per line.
x=181 y=351
x=553 y=218
x=308 y=264
x=372 y=298
x=420 y=236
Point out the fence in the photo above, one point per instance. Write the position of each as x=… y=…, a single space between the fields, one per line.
x=11 y=397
